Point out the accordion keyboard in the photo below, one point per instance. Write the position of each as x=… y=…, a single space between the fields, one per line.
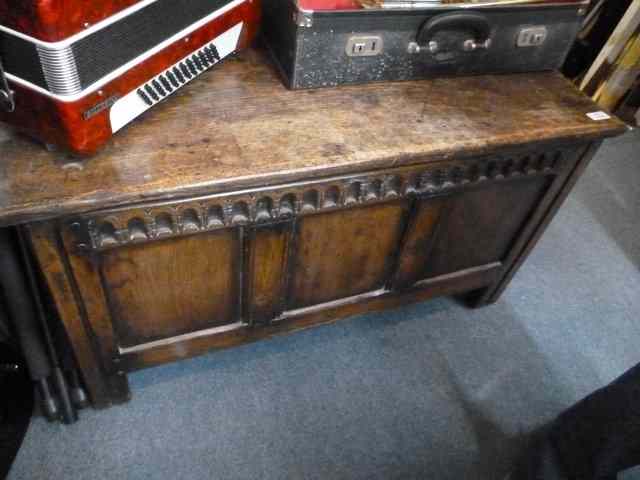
x=173 y=78
x=182 y=73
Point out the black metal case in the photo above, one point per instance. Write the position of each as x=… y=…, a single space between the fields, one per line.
x=321 y=48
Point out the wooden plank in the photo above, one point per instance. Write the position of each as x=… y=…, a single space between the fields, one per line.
x=623 y=74
x=318 y=315
x=103 y=389
x=91 y=296
x=421 y=235
x=601 y=67
x=482 y=224
x=344 y=253
x=172 y=287
x=265 y=285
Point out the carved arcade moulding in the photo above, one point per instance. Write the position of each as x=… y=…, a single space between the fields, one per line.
x=151 y=222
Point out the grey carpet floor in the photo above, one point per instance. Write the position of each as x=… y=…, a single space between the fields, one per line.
x=431 y=391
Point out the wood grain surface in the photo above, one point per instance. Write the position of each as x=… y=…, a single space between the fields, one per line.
x=422 y=233
x=482 y=225
x=103 y=386
x=239 y=127
x=344 y=254
x=267 y=271
x=306 y=318
x=173 y=287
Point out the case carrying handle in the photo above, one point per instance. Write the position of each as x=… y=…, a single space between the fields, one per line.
x=473 y=22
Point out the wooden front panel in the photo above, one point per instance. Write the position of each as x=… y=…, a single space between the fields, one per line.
x=420 y=239
x=155 y=280
x=344 y=253
x=266 y=271
x=479 y=225
x=167 y=288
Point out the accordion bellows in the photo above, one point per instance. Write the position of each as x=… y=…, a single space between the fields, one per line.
x=80 y=71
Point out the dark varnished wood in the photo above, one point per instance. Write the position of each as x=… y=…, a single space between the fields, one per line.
x=268 y=251
x=285 y=210
x=103 y=384
x=481 y=225
x=168 y=276
x=240 y=127
x=172 y=287
x=83 y=275
x=346 y=254
x=300 y=320
x=545 y=212
x=63 y=123
x=419 y=240
x=337 y=246
x=144 y=222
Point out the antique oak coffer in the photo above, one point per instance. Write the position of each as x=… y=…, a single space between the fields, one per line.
x=246 y=210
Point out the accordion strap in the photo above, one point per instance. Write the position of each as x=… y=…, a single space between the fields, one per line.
x=7 y=96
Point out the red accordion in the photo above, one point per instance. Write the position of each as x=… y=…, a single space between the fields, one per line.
x=74 y=72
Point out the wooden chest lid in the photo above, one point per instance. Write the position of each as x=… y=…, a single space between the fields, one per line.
x=239 y=127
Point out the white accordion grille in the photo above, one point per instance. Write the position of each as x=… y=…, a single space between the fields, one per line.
x=172 y=79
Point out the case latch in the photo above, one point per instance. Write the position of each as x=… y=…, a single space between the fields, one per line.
x=7 y=96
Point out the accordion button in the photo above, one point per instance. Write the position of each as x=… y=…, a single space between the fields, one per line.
x=172 y=78
x=178 y=74
x=192 y=67
x=185 y=70
x=144 y=97
x=158 y=87
x=152 y=93
x=210 y=58
x=203 y=58
x=196 y=61
x=214 y=52
x=165 y=83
